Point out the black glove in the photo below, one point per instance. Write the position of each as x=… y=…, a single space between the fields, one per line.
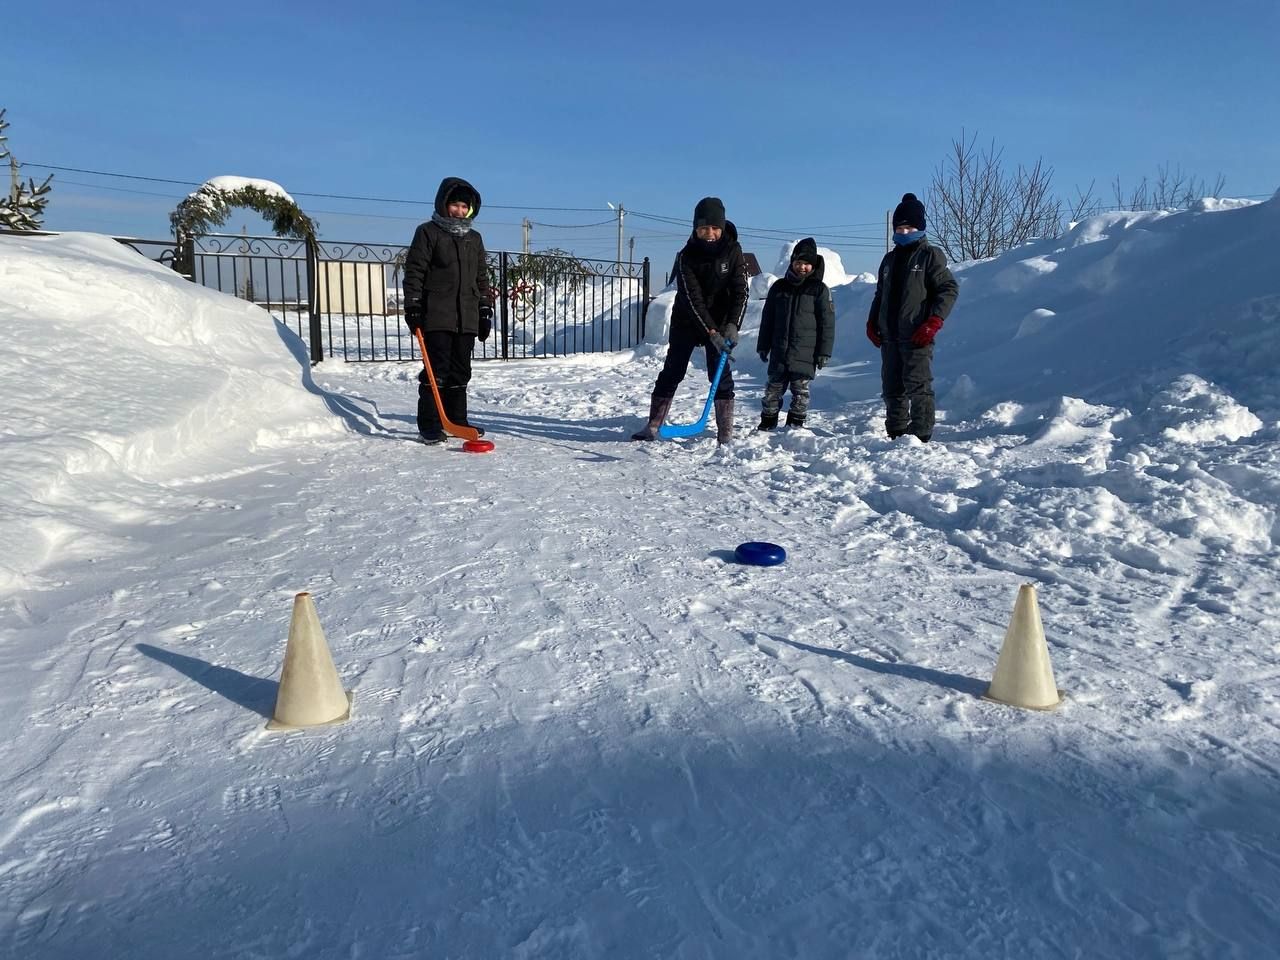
x=764 y=355
x=822 y=362
x=413 y=316
x=486 y=322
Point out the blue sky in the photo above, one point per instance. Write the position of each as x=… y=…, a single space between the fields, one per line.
x=803 y=123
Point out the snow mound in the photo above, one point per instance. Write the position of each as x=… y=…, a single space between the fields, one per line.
x=760 y=285
x=833 y=267
x=130 y=373
x=1191 y=410
x=1115 y=309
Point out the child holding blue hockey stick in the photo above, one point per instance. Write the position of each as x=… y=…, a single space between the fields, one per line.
x=711 y=298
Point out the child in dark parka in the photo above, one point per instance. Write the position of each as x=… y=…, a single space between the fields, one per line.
x=446 y=296
x=914 y=294
x=797 y=332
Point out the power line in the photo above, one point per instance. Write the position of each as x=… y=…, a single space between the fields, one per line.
x=761 y=233
x=328 y=213
x=495 y=223
x=778 y=234
x=839 y=241
x=302 y=193
x=572 y=226
x=103 y=186
x=100 y=173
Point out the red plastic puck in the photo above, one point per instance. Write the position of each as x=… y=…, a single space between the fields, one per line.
x=477 y=446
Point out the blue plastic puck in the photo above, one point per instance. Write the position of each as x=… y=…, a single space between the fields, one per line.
x=760 y=554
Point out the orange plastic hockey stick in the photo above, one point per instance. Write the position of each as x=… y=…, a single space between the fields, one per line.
x=451 y=428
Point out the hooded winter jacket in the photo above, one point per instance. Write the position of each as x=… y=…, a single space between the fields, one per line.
x=798 y=324
x=711 y=286
x=445 y=273
x=928 y=290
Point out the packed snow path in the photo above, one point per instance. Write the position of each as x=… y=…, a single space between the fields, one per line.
x=581 y=730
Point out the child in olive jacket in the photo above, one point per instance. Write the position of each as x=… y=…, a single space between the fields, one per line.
x=797 y=332
x=446 y=296
x=914 y=294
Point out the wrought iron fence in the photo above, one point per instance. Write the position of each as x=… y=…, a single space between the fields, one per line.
x=345 y=300
x=273 y=272
x=548 y=306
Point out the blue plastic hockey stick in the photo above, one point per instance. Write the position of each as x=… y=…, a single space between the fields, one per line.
x=669 y=431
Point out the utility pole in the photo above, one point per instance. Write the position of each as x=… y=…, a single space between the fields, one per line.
x=631 y=249
x=13 y=180
x=621 y=213
x=525 y=227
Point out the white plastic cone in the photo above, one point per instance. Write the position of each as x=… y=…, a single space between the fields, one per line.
x=311 y=693
x=1024 y=675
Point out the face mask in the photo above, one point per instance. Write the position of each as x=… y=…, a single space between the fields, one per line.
x=902 y=239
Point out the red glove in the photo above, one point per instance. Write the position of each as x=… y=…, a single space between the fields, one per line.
x=873 y=333
x=926 y=332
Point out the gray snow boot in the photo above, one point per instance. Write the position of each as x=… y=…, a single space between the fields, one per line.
x=658 y=407
x=724 y=419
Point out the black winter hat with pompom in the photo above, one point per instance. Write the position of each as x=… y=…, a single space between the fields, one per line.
x=909 y=213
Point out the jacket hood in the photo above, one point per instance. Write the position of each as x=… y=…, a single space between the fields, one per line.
x=819 y=270
x=458 y=188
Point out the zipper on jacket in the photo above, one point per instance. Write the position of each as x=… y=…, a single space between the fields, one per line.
x=457 y=253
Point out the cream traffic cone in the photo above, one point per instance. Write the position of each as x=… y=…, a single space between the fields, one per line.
x=311 y=693
x=1024 y=675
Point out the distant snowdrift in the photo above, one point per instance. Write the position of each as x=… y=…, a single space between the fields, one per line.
x=122 y=367
x=1115 y=309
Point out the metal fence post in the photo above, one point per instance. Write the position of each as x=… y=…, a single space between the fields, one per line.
x=644 y=295
x=184 y=260
x=313 y=298
x=503 y=322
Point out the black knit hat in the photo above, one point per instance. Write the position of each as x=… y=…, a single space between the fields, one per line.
x=806 y=251
x=709 y=213
x=909 y=213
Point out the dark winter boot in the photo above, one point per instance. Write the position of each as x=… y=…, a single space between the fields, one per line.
x=428 y=414
x=795 y=419
x=724 y=419
x=455 y=407
x=768 y=421
x=658 y=407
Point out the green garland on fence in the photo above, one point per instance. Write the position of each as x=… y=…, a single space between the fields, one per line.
x=211 y=207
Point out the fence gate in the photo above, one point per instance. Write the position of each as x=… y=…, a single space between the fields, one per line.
x=345 y=300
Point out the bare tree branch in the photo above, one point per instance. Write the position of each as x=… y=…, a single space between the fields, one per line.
x=980 y=211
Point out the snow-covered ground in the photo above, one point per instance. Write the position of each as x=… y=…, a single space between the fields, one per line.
x=580 y=729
